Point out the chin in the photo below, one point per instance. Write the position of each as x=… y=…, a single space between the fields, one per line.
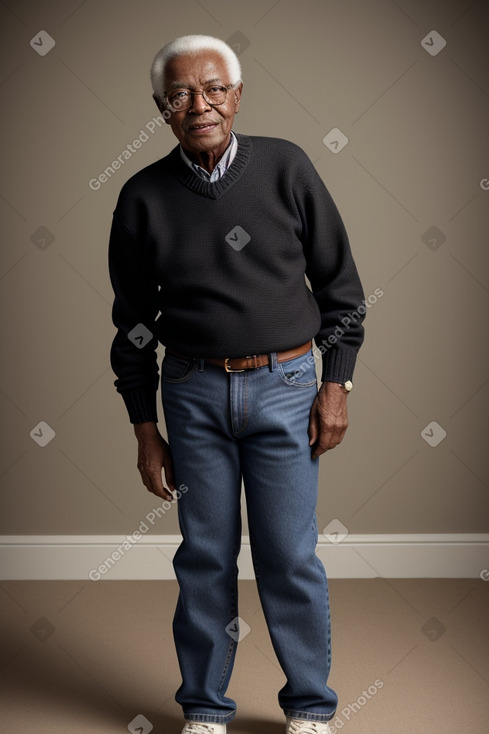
x=204 y=142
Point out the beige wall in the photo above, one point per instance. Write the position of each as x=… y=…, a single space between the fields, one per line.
x=417 y=152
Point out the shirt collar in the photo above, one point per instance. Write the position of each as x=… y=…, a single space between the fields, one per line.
x=221 y=167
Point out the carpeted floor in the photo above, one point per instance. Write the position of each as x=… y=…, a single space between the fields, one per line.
x=91 y=657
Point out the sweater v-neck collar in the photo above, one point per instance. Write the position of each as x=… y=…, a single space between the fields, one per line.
x=215 y=190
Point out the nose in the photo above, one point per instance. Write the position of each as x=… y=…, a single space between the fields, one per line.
x=199 y=104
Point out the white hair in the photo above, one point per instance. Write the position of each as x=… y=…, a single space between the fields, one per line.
x=190 y=45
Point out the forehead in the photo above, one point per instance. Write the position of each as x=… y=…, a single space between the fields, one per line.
x=194 y=70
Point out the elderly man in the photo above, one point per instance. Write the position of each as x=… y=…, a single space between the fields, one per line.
x=209 y=251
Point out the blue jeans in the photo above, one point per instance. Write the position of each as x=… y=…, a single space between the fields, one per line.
x=223 y=427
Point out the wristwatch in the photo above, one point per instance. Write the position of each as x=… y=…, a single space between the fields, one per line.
x=348 y=385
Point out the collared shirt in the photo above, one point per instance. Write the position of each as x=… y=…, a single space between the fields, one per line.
x=221 y=167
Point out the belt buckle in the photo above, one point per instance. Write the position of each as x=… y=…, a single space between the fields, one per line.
x=228 y=368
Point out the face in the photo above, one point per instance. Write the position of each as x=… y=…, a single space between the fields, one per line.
x=202 y=128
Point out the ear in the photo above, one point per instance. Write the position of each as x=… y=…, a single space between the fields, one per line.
x=161 y=107
x=237 y=97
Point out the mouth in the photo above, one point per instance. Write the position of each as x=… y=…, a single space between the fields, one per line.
x=202 y=127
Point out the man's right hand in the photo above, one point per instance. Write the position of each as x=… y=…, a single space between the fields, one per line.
x=153 y=457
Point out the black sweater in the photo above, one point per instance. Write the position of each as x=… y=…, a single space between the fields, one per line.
x=217 y=269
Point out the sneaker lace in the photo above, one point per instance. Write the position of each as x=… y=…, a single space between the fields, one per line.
x=198 y=728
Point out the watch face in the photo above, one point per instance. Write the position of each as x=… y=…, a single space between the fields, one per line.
x=348 y=385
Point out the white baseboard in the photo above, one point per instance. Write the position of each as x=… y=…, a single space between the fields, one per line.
x=56 y=557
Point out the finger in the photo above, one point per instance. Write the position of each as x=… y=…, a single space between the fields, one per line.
x=164 y=492
x=313 y=434
x=320 y=449
x=155 y=485
x=317 y=453
x=322 y=443
x=329 y=438
x=313 y=425
x=169 y=475
x=341 y=435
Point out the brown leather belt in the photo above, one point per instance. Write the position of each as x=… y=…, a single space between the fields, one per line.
x=251 y=362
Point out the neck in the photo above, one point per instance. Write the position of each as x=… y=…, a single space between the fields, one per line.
x=208 y=159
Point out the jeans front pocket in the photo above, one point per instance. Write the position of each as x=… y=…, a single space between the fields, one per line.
x=177 y=369
x=300 y=371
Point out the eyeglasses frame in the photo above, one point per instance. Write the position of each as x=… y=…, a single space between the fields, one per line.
x=193 y=92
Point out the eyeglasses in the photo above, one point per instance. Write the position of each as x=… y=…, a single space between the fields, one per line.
x=182 y=99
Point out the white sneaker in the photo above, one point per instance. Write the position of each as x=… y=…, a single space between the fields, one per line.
x=199 y=727
x=302 y=726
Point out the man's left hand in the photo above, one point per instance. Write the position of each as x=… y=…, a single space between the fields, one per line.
x=329 y=418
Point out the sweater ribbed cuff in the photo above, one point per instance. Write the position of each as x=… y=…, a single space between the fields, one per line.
x=141 y=406
x=338 y=365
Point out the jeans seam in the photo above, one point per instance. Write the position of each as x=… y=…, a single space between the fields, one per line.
x=228 y=659
x=234 y=614
x=241 y=393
